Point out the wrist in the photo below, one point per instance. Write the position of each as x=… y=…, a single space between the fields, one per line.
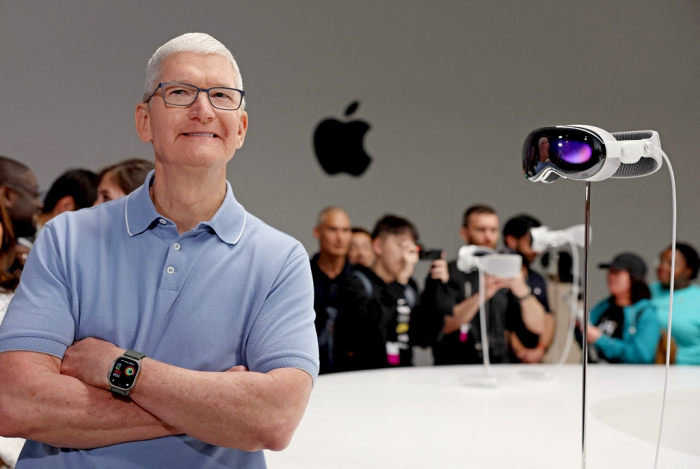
x=524 y=295
x=125 y=370
x=541 y=346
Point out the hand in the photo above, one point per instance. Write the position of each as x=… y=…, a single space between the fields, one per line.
x=439 y=271
x=410 y=259
x=21 y=254
x=89 y=360
x=531 y=355
x=491 y=286
x=517 y=285
x=237 y=368
x=593 y=334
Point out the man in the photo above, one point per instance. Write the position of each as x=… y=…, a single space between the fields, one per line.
x=328 y=268
x=73 y=190
x=361 y=247
x=525 y=346
x=452 y=297
x=19 y=193
x=378 y=319
x=220 y=303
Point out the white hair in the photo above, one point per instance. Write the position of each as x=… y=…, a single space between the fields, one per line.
x=199 y=43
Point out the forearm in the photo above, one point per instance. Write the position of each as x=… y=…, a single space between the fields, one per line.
x=40 y=404
x=533 y=315
x=548 y=335
x=242 y=410
x=515 y=344
x=461 y=313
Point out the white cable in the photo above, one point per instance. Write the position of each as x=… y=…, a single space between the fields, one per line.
x=482 y=321
x=574 y=305
x=670 y=307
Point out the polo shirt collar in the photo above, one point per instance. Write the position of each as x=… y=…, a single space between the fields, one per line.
x=228 y=222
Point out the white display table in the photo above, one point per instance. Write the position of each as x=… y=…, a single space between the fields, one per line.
x=423 y=417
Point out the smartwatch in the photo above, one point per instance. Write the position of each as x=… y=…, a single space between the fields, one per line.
x=124 y=371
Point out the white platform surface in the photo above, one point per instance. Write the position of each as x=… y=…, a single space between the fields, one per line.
x=423 y=417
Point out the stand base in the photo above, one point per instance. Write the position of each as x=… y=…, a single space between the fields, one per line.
x=479 y=381
x=537 y=374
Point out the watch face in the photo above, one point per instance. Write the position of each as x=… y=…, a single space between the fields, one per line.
x=124 y=373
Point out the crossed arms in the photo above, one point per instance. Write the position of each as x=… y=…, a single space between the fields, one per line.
x=67 y=403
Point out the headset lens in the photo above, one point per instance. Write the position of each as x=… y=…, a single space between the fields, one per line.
x=566 y=151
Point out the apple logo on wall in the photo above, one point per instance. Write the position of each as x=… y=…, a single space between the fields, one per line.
x=339 y=145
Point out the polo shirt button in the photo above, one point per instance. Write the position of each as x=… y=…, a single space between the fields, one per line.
x=176 y=246
x=162 y=221
x=170 y=270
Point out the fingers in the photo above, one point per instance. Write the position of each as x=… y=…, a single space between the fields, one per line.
x=237 y=368
x=439 y=271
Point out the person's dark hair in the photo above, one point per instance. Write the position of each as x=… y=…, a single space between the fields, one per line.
x=639 y=290
x=691 y=257
x=8 y=281
x=476 y=209
x=129 y=175
x=519 y=225
x=359 y=229
x=393 y=225
x=80 y=184
x=11 y=170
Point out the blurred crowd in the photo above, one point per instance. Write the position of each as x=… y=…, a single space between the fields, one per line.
x=370 y=310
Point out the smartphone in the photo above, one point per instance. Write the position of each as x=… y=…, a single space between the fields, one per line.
x=430 y=254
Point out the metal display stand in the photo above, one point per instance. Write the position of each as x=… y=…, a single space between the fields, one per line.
x=584 y=342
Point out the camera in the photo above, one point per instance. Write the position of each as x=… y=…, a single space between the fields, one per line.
x=429 y=254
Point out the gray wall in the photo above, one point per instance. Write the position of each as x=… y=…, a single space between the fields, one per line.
x=450 y=89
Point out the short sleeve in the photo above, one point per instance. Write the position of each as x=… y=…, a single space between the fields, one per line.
x=283 y=334
x=40 y=317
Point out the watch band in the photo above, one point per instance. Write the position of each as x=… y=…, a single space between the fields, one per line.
x=523 y=298
x=118 y=391
x=134 y=354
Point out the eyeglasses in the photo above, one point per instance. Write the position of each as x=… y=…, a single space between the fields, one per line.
x=33 y=193
x=182 y=94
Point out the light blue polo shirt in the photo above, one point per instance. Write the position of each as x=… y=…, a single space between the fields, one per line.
x=232 y=291
x=686 y=319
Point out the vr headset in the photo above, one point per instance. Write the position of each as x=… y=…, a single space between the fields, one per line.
x=473 y=257
x=588 y=153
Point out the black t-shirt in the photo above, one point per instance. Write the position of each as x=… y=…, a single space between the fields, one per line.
x=377 y=323
x=612 y=321
x=439 y=298
x=326 y=306
x=515 y=322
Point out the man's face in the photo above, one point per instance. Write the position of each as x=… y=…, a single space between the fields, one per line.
x=522 y=246
x=361 y=250
x=481 y=230
x=199 y=135
x=334 y=234
x=23 y=204
x=391 y=251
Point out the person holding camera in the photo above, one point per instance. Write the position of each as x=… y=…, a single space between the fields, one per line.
x=451 y=300
x=378 y=315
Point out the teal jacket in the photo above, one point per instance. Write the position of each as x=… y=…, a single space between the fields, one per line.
x=640 y=334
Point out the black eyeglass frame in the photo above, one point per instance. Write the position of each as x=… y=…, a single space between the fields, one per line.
x=33 y=193
x=206 y=90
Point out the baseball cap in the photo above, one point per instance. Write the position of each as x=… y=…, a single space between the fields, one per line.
x=630 y=262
